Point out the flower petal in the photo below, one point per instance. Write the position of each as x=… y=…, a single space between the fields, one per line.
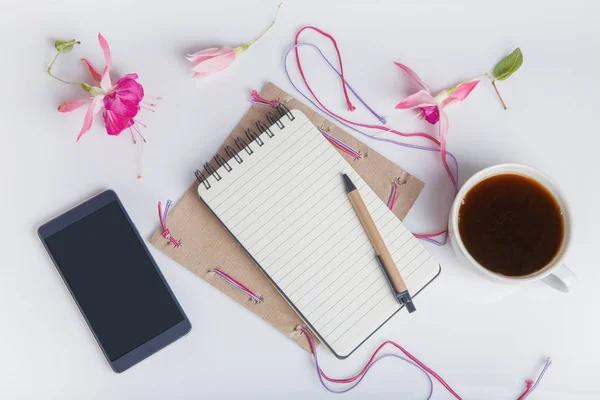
x=419 y=99
x=92 y=110
x=430 y=114
x=105 y=83
x=116 y=123
x=199 y=75
x=216 y=63
x=96 y=75
x=71 y=105
x=443 y=131
x=413 y=75
x=460 y=93
x=205 y=54
x=125 y=97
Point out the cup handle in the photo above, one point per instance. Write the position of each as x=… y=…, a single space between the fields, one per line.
x=562 y=279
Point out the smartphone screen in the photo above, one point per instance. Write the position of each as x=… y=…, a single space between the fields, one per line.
x=114 y=280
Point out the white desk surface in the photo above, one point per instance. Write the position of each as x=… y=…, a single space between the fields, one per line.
x=483 y=339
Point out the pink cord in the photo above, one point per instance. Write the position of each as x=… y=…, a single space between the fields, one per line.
x=341 y=145
x=429 y=235
x=372 y=360
x=337 y=50
x=163 y=223
x=256 y=98
x=350 y=106
x=392 y=201
x=529 y=385
x=237 y=284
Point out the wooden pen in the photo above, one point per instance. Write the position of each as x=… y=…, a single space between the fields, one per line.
x=390 y=270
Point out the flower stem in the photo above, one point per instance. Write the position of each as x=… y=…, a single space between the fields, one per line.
x=266 y=30
x=473 y=77
x=498 y=93
x=57 y=78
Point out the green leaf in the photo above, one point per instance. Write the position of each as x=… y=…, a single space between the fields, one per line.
x=65 y=46
x=508 y=65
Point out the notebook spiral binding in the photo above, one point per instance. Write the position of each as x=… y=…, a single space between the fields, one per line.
x=252 y=137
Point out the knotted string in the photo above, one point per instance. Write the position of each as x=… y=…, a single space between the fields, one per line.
x=341 y=145
x=163 y=223
x=392 y=200
x=257 y=99
x=237 y=284
x=529 y=383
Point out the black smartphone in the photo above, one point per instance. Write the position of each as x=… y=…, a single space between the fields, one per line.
x=114 y=280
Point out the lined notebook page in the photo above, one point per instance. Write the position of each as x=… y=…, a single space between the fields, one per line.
x=287 y=206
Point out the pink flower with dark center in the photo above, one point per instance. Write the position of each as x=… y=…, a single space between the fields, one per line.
x=120 y=102
x=431 y=108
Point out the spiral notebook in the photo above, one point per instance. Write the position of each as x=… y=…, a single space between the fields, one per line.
x=208 y=245
x=282 y=197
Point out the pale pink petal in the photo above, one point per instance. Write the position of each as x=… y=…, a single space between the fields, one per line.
x=413 y=75
x=96 y=75
x=460 y=93
x=443 y=131
x=199 y=75
x=216 y=63
x=92 y=110
x=206 y=54
x=105 y=83
x=419 y=99
x=71 y=105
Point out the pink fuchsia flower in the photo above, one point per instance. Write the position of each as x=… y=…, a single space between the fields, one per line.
x=431 y=108
x=209 y=61
x=120 y=102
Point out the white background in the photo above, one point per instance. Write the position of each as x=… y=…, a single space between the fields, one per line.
x=483 y=339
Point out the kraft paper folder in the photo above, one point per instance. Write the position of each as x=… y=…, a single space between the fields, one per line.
x=208 y=245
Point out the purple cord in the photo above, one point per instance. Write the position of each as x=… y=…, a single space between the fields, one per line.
x=314 y=353
x=355 y=153
x=411 y=146
x=436 y=242
x=539 y=379
x=407 y=145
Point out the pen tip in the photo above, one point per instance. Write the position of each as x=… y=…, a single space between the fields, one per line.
x=349 y=184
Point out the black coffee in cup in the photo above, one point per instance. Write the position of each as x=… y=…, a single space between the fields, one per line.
x=511 y=224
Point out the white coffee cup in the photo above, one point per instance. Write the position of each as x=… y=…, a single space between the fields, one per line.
x=564 y=276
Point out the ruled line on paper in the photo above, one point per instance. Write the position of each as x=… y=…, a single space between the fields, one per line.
x=291 y=140
x=262 y=191
x=295 y=158
x=273 y=250
x=406 y=277
x=351 y=221
x=295 y=187
x=342 y=286
x=365 y=242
